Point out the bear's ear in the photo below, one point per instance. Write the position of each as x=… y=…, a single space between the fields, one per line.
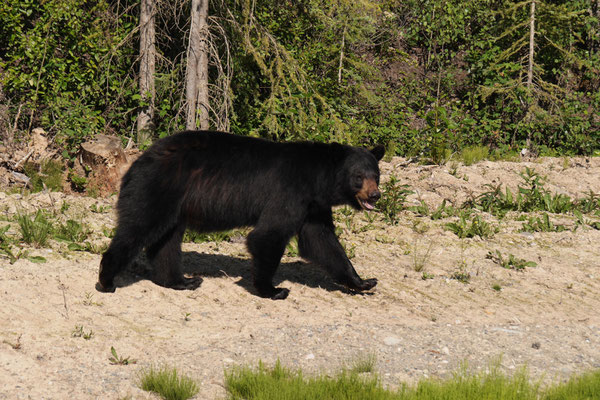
x=378 y=151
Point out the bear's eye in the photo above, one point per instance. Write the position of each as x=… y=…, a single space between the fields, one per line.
x=357 y=181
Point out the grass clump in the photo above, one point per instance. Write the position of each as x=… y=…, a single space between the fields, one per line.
x=586 y=386
x=168 y=383
x=473 y=154
x=35 y=228
x=276 y=383
x=364 y=364
x=281 y=383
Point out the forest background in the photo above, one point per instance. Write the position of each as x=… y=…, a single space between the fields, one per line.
x=423 y=77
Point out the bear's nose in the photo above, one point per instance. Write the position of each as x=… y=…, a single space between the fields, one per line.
x=374 y=196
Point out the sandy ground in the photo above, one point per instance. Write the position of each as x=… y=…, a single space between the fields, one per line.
x=545 y=317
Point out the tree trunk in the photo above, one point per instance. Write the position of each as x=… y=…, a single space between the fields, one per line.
x=531 y=46
x=197 y=68
x=145 y=125
x=530 y=69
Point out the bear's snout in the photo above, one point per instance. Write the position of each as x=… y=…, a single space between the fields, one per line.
x=374 y=196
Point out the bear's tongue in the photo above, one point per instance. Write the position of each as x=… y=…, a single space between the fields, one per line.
x=367 y=205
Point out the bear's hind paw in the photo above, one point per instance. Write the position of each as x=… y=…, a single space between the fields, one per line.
x=366 y=284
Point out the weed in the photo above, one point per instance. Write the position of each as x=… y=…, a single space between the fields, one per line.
x=420 y=259
x=186 y=316
x=443 y=211
x=510 y=262
x=35 y=229
x=531 y=196
x=95 y=208
x=461 y=276
x=6 y=245
x=421 y=209
x=426 y=276
x=17 y=345
x=110 y=232
x=72 y=231
x=543 y=224
x=476 y=227
x=292 y=247
x=393 y=196
x=79 y=332
x=497 y=287
x=216 y=237
x=89 y=300
x=453 y=169
x=115 y=359
x=168 y=383
x=64 y=207
x=78 y=183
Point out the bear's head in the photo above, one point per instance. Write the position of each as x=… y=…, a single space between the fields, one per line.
x=360 y=177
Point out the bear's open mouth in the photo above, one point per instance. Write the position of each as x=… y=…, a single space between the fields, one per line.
x=366 y=204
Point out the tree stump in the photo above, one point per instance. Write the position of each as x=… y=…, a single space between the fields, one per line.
x=104 y=162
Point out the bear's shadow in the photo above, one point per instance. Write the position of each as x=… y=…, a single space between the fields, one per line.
x=216 y=266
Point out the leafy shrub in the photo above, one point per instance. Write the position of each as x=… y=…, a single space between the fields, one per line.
x=393 y=196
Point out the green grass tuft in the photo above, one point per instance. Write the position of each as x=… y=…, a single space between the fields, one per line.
x=473 y=154
x=168 y=383
x=35 y=229
x=276 y=383
x=586 y=386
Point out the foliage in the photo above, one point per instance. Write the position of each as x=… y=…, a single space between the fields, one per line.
x=426 y=78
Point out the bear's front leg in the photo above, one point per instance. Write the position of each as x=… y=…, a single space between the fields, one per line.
x=317 y=243
x=267 y=247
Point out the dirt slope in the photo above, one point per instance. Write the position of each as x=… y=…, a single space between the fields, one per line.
x=545 y=317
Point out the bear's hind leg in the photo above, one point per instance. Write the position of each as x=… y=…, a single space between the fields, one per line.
x=267 y=247
x=165 y=257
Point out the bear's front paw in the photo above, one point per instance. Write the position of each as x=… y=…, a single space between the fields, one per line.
x=273 y=293
x=107 y=288
x=367 y=284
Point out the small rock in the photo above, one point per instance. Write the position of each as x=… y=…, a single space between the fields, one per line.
x=536 y=345
x=310 y=356
x=391 y=340
x=445 y=350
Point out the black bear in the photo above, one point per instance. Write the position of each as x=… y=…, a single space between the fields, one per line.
x=214 y=181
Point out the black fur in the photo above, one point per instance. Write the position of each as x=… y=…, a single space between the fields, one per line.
x=213 y=181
